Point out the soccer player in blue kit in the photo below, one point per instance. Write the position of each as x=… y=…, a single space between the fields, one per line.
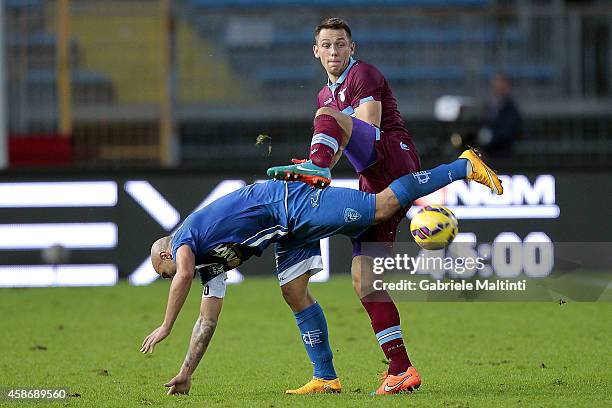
x=294 y=216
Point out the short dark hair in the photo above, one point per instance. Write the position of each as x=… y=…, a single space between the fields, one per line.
x=333 y=23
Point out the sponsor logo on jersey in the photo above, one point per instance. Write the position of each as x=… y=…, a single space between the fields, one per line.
x=328 y=101
x=341 y=94
x=229 y=253
x=351 y=215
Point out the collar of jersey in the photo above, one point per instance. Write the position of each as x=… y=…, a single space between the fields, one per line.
x=332 y=87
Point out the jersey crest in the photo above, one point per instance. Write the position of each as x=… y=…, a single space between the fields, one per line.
x=351 y=215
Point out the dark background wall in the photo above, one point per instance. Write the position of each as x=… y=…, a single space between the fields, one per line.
x=583 y=199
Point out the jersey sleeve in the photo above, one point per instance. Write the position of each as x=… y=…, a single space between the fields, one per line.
x=366 y=85
x=183 y=236
x=320 y=99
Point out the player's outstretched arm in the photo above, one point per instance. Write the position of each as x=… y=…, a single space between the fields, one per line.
x=181 y=283
x=203 y=331
x=179 y=289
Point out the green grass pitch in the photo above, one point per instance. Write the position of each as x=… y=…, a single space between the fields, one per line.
x=468 y=354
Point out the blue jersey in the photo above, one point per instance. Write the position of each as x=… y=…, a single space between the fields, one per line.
x=245 y=222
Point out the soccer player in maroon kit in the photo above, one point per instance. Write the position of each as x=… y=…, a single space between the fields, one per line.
x=380 y=149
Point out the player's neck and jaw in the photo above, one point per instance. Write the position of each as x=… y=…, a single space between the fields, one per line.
x=334 y=48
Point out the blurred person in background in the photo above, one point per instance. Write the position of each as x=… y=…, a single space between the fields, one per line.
x=503 y=121
x=357 y=115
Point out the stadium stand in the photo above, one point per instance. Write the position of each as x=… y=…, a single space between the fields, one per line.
x=31 y=51
x=345 y=3
x=245 y=67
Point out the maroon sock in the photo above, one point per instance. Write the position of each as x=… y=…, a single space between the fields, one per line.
x=326 y=140
x=386 y=324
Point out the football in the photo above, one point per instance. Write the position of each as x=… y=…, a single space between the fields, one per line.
x=434 y=227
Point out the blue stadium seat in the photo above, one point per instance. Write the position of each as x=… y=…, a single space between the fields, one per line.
x=44 y=76
x=525 y=71
x=423 y=73
x=39 y=39
x=406 y=73
x=540 y=72
x=424 y=35
x=22 y=3
x=345 y=3
x=435 y=35
x=88 y=87
x=36 y=50
x=287 y=74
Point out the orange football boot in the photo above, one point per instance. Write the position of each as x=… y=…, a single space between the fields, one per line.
x=318 y=386
x=482 y=173
x=392 y=384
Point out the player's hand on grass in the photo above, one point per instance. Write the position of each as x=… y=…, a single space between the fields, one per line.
x=179 y=384
x=155 y=337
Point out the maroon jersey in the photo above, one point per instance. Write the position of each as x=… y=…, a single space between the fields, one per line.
x=361 y=82
x=396 y=154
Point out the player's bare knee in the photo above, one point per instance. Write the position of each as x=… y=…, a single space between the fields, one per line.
x=289 y=295
x=356 y=281
x=361 y=273
x=296 y=293
x=380 y=215
x=295 y=303
x=387 y=204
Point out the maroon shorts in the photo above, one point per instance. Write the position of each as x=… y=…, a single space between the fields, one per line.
x=396 y=156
